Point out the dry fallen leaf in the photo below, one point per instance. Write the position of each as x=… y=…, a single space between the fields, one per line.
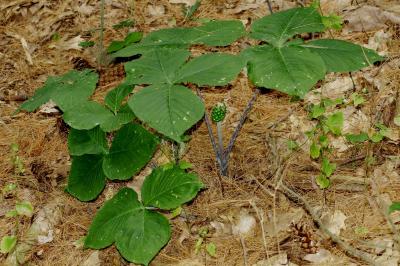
x=93 y=259
x=278 y=260
x=283 y=221
x=244 y=224
x=186 y=2
x=367 y=18
x=334 y=222
x=156 y=11
x=71 y=44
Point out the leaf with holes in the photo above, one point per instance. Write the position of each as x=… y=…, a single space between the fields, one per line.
x=86 y=179
x=211 y=69
x=277 y=28
x=170 y=109
x=132 y=148
x=342 y=56
x=291 y=69
x=169 y=188
x=91 y=141
x=66 y=90
x=138 y=233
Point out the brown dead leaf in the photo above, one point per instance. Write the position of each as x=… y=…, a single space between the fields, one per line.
x=368 y=18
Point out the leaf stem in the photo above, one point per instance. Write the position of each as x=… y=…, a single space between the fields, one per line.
x=101 y=37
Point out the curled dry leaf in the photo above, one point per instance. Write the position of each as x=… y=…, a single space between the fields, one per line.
x=379 y=42
x=283 y=220
x=334 y=89
x=71 y=44
x=93 y=259
x=156 y=11
x=334 y=222
x=329 y=6
x=368 y=18
x=244 y=224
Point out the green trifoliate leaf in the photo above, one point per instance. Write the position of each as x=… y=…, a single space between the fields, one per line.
x=115 y=97
x=66 y=90
x=327 y=167
x=24 y=208
x=138 y=233
x=332 y=22
x=218 y=112
x=168 y=189
x=122 y=117
x=323 y=182
x=335 y=122
x=86 y=179
x=394 y=207
x=357 y=138
x=292 y=70
x=170 y=109
x=315 y=150
x=157 y=66
x=91 y=141
x=7 y=244
x=342 y=56
x=218 y=32
x=317 y=110
x=281 y=26
x=132 y=148
x=214 y=69
x=212 y=33
x=86 y=115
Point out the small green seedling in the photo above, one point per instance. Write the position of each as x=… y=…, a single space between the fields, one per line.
x=210 y=248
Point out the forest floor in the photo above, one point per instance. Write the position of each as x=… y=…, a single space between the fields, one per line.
x=249 y=219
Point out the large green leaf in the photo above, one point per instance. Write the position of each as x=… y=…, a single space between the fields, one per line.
x=214 y=69
x=213 y=33
x=169 y=188
x=218 y=32
x=86 y=179
x=132 y=148
x=281 y=26
x=157 y=66
x=86 y=115
x=139 y=234
x=122 y=117
x=290 y=69
x=342 y=56
x=82 y=142
x=66 y=90
x=115 y=97
x=170 y=109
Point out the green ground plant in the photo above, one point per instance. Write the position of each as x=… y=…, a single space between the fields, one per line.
x=165 y=109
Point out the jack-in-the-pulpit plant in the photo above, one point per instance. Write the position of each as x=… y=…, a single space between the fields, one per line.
x=166 y=108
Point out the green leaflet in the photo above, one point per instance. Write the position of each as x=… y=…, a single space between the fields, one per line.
x=82 y=142
x=170 y=109
x=115 y=97
x=213 y=33
x=290 y=69
x=157 y=66
x=132 y=37
x=86 y=179
x=86 y=115
x=66 y=90
x=132 y=148
x=211 y=69
x=115 y=122
x=342 y=56
x=335 y=122
x=277 y=28
x=169 y=188
x=138 y=233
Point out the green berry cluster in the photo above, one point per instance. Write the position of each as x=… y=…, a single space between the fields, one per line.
x=218 y=112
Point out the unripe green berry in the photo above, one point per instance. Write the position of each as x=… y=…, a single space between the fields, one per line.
x=218 y=112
